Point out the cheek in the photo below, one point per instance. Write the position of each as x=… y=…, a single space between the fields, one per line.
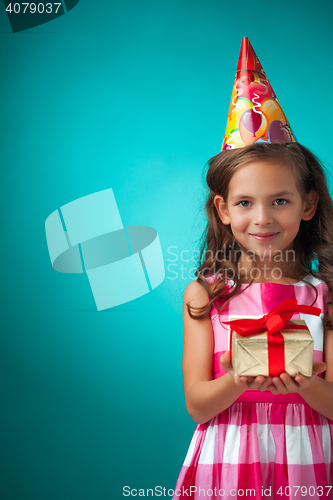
x=239 y=223
x=292 y=223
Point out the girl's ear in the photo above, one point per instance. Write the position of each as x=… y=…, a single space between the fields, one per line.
x=310 y=206
x=222 y=209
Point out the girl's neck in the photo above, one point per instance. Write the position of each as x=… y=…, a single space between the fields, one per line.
x=266 y=270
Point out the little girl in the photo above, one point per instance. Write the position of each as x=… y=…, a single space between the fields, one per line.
x=269 y=238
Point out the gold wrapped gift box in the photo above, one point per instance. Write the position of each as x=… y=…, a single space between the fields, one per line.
x=250 y=354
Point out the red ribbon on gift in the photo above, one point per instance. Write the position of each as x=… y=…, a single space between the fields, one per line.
x=273 y=322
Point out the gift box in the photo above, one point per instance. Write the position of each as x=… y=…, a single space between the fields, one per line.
x=273 y=343
x=250 y=354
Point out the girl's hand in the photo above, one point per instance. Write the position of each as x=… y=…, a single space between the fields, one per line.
x=284 y=384
x=260 y=382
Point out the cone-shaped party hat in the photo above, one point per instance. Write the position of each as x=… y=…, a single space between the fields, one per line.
x=255 y=114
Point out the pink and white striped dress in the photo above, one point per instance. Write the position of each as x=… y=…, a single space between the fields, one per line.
x=263 y=445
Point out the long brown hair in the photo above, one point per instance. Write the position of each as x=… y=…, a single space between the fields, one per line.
x=220 y=251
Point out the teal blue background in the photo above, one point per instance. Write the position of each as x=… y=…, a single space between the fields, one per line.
x=132 y=96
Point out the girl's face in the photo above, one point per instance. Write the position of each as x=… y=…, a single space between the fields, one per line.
x=264 y=207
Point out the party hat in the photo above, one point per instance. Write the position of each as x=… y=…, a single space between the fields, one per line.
x=255 y=114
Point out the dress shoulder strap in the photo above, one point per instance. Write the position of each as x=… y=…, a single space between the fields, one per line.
x=211 y=278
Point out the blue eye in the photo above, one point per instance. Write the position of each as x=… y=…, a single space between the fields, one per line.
x=282 y=199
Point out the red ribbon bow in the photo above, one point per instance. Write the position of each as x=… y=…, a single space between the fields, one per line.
x=273 y=322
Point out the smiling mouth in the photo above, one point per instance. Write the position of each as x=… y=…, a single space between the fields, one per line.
x=263 y=236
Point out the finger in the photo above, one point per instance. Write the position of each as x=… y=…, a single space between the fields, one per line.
x=280 y=385
x=265 y=384
x=260 y=379
x=226 y=361
x=302 y=381
x=289 y=383
x=319 y=367
x=240 y=381
x=273 y=389
x=257 y=382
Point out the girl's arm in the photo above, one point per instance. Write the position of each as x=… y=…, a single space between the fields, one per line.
x=319 y=395
x=205 y=398
x=317 y=392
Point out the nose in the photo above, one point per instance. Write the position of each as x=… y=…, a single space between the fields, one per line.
x=262 y=216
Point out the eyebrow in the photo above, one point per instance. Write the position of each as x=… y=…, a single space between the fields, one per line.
x=247 y=197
